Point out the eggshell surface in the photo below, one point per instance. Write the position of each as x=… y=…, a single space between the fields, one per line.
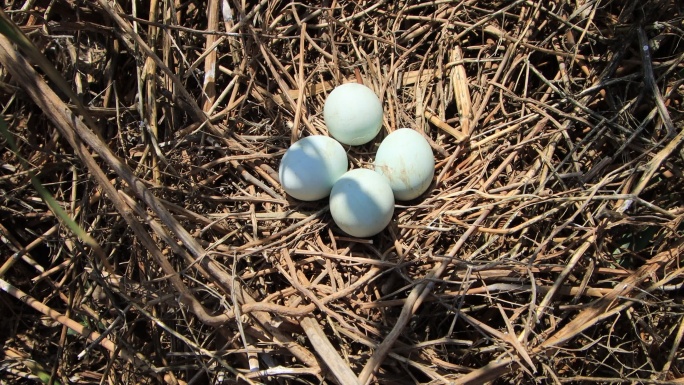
x=361 y=203
x=353 y=114
x=311 y=166
x=406 y=160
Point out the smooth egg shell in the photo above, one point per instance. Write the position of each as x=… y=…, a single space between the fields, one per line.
x=311 y=166
x=353 y=114
x=361 y=203
x=406 y=160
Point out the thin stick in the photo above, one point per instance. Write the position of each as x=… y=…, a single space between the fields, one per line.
x=653 y=167
x=649 y=80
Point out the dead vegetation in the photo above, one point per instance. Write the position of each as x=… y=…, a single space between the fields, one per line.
x=549 y=247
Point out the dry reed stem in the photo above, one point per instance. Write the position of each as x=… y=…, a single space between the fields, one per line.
x=459 y=80
x=327 y=352
x=302 y=86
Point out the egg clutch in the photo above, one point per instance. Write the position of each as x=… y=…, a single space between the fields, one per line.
x=361 y=200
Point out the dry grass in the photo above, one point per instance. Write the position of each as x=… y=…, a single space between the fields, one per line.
x=549 y=247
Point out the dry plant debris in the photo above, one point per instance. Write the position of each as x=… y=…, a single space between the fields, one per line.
x=548 y=249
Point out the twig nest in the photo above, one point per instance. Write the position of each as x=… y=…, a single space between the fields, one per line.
x=353 y=114
x=406 y=160
x=361 y=203
x=311 y=166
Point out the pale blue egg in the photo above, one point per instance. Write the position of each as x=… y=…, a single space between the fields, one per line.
x=405 y=158
x=353 y=114
x=311 y=166
x=361 y=203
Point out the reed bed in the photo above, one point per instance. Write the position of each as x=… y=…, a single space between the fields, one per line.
x=548 y=249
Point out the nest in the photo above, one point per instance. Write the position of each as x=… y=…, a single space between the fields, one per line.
x=146 y=238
